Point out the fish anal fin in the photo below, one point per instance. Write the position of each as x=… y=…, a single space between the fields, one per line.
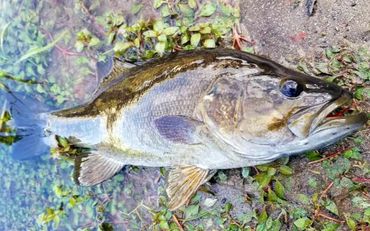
x=95 y=168
x=183 y=182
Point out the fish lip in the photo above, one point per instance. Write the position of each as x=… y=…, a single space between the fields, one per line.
x=354 y=121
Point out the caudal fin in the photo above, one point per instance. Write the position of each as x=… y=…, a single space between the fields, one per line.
x=26 y=112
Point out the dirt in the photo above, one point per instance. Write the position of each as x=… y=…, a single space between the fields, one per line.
x=283 y=29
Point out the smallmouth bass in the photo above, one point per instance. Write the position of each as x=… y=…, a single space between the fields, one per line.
x=195 y=112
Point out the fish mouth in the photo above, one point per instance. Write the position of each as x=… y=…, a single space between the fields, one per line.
x=327 y=119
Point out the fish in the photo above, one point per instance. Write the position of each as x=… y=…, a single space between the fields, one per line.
x=194 y=112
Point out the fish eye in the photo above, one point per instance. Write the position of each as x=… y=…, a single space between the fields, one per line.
x=291 y=88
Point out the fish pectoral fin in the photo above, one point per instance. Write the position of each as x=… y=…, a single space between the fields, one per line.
x=183 y=182
x=95 y=168
x=177 y=129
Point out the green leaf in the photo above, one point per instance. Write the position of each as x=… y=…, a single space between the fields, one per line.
x=330 y=52
x=194 y=28
x=366 y=217
x=262 y=218
x=263 y=168
x=350 y=223
x=249 y=50
x=313 y=155
x=79 y=46
x=159 y=25
x=331 y=207
x=195 y=39
x=39 y=89
x=263 y=179
x=162 y=38
x=339 y=167
x=279 y=189
x=186 y=10
x=94 y=41
x=170 y=30
x=304 y=199
x=191 y=211
x=228 y=207
x=269 y=223
x=209 y=43
x=192 y=4
x=303 y=223
x=285 y=170
x=208 y=9
x=209 y=202
x=353 y=153
x=271 y=195
x=150 y=34
x=72 y=202
x=165 y=11
x=362 y=93
x=184 y=39
x=136 y=8
x=271 y=171
x=160 y=47
x=329 y=226
x=164 y=225
x=322 y=68
x=205 y=30
x=276 y=226
x=360 y=202
x=121 y=47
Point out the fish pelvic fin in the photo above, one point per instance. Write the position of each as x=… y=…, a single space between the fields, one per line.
x=183 y=182
x=95 y=168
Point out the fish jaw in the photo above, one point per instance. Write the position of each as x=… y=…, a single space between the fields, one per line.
x=340 y=126
x=325 y=130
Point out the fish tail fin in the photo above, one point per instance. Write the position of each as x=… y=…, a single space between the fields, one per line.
x=28 y=122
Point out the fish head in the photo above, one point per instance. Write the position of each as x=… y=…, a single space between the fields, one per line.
x=284 y=113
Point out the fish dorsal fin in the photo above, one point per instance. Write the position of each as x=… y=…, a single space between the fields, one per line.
x=95 y=168
x=183 y=182
x=113 y=72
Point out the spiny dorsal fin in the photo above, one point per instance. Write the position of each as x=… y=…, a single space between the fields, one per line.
x=183 y=182
x=114 y=72
x=95 y=168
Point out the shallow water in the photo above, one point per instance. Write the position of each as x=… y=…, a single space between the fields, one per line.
x=58 y=76
x=41 y=60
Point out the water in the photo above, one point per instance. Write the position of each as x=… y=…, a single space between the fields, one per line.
x=49 y=51
x=40 y=193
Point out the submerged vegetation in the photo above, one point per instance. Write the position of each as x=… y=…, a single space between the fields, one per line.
x=53 y=52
